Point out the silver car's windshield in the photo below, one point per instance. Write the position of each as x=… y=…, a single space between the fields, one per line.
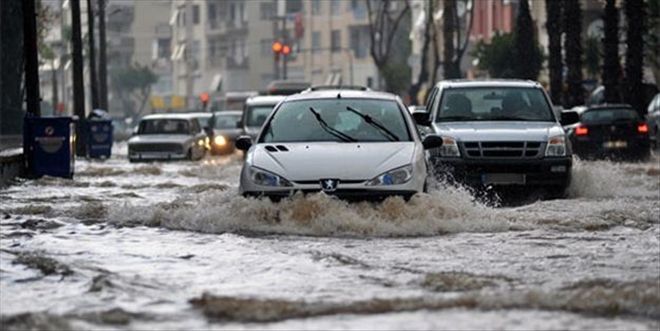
x=494 y=104
x=336 y=120
x=227 y=121
x=164 y=126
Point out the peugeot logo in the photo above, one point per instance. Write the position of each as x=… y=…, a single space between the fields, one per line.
x=329 y=185
x=49 y=130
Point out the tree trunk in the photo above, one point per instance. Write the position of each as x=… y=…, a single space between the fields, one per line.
x=573 y=52
x=449 y=31
x=92 y=55
x=11 y=67
x=611 y=68
x=635 y=17
x=424 y=70
x=553 y=25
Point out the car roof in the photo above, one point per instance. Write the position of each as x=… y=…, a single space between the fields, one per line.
x=265 y=100
x=200 y=114
x=228 y=112
x=343 y=94
x=610 y=106
x=181 y=116
x=459 y=83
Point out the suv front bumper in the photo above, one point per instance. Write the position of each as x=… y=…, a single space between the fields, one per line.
x=554 y=171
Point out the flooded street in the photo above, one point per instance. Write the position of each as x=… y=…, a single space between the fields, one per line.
x=172 y=246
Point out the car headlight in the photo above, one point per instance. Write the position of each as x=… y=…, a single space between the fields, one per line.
x=556 y=146
x=393 y=177
x=265 y=178
x=220 y=140
x=449 y=147
x=200 y=142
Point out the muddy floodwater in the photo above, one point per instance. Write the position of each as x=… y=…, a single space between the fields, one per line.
x=171 y=246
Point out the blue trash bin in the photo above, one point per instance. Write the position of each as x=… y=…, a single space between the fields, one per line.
x=99 y=138
x=49 y=145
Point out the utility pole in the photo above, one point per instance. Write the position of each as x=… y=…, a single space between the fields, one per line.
x=78 y=85
x=31 y=57
x=188 y=56
x=92 y=55
x=103 y=62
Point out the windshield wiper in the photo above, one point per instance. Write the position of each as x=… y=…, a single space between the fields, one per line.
x=508 y=118
x=342 y=136
x=369 y=120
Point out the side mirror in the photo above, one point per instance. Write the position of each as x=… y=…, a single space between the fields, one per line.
x=421 y=117
x=432 y=141
x=569 y=117
x=244 y=143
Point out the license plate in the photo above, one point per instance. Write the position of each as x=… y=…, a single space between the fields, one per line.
x=615 y=144
x=503 y=179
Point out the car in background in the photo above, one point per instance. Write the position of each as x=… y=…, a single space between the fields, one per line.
x=498 y=133
x=286 y=87
x=613 y=131
x=226 y=129
x=167 y=137
x=204 y=119
x=653 y=121
x=347 y=143
x=256 y=111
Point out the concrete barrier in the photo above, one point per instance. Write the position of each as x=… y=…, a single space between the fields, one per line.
x=11 y=165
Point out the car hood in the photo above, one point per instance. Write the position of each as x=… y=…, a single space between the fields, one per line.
x=347 y=161
x=158 y=138
x=499 y=130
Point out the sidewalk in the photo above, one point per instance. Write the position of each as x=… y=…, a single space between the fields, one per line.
x=11 y=158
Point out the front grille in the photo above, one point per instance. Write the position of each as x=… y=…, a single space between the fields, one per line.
x=341 y=181
x=160 y=147
x=502 y=149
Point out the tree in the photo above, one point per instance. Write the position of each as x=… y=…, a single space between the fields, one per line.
x=496 y=56
x=525 y=45
x=455 y=45
x=652 y=38
x=635 y=18
x=133 y=85
x=11 y=67
x=423 y=76
x=573 y=52
x=555 y=66
x=592 y=57
x=383 y=26
x=611 y=69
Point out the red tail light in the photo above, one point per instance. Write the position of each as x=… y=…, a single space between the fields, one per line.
x=581 y=131
x=643 y=128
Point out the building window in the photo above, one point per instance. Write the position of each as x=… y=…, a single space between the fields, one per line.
x=316 y=7
x=195 y=14
x=212 y=12
x=266 y=10
x=359 y=41
x=164 y=48
x=316 y=42
x=335 y=41
x=335 y=6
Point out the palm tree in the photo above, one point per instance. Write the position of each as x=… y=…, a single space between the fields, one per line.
x=525 y=45
x=573 y=52
x=553 y=10
x=611 y=70
x=635 y=17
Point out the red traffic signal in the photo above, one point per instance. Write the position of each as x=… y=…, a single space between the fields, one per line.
x=286 y=50
x=277 y=47
x=204 y=98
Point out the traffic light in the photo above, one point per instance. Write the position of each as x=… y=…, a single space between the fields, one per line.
x=280 y=48
x=286 y=50
x=204 y=98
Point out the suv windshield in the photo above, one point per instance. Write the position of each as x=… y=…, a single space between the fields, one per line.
x=164 y=126
x=340 y=120
x=227 y=121
x=256 y=115
x=598 y=116
x=494 y=104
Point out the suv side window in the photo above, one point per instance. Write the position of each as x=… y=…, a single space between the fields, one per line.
x=431 y=98
x=195 y=129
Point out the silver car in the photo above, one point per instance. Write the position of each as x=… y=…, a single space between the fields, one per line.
x=653 y=121
x=256 y=112
x=167 y=137
x=352 y=144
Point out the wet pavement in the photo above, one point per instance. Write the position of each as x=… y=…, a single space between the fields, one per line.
x=172 y=246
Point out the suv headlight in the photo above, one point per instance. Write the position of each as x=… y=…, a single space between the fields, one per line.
x=556 y=146
x=393 y=177
x=449 y=147
x=265 y=178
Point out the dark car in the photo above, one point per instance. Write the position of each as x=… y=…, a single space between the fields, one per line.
x=614 y=131
x=226 y=128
